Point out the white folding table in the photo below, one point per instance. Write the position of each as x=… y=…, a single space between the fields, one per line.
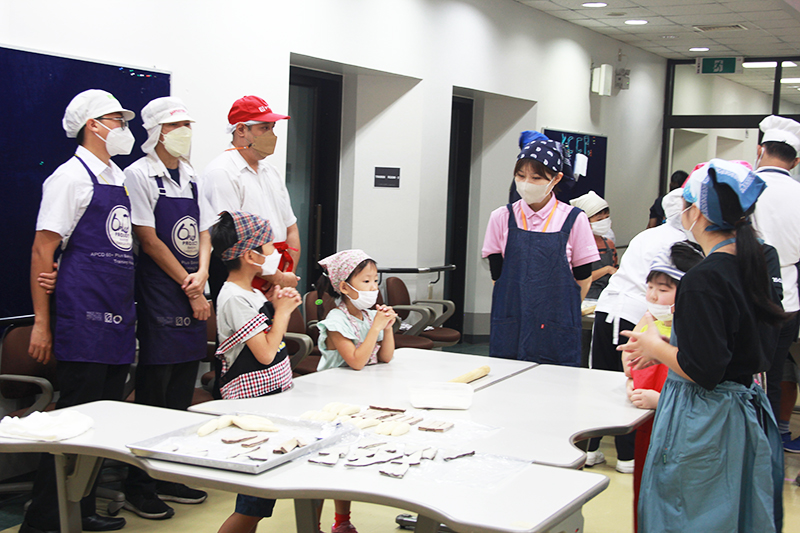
x=534 y=499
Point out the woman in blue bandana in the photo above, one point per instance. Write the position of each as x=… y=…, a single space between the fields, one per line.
x=715 y=461
x=540 y=254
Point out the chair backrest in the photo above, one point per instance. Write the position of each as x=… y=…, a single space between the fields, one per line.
x=296 y=322
x=312 y=310
x=397 y=294
x=14 y=359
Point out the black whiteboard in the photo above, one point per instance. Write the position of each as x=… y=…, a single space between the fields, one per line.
x=592 y=146
x=34 y=91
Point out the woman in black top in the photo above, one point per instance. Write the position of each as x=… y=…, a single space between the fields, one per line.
x=715 y=461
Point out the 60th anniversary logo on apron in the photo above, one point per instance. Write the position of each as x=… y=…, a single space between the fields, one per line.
x=185 y=237
x=118 y=228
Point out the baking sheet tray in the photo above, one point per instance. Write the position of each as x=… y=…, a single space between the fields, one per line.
x=185 y=446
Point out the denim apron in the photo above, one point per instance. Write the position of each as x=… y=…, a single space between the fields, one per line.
x=167 y=331
x=95 y=317
x=536 y=303
x=715 y=461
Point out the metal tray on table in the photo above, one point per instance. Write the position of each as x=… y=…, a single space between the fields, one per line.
x=185 y=446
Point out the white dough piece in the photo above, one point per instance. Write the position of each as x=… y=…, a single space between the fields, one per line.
x=365 y=423
x=429 y=453
x=333 y=407
x=208 y=428
x=394 y=470
x=308 y=415
x=385 y=428
x=325 y=416
x=328 y=460
x=254 y=423
x=400 y=428
x=349 y=410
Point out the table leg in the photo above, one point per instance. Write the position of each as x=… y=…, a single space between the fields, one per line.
x=74 y=477
x=426 y=525
x=306 y=515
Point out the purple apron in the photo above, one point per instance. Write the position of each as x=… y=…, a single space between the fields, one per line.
x=95 y=318
x=167 y=331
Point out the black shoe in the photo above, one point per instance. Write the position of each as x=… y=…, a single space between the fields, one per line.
x=179 y=493
x=102 y=523
x=27 y=528
x=148 y=506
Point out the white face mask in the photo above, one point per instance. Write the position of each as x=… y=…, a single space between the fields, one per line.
x=365 y=300
x=119 y=141
x=532 y=193
x=270 y=264
x=688 y=232
x=178 y=142
x=601 y=227
x=660 y=312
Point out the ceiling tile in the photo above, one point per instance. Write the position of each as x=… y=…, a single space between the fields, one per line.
x=707 y=20
x=542 y=5
x=758 y=16
x=566 y=14
x=785 y=22
x=702 y=9
x=593 y=24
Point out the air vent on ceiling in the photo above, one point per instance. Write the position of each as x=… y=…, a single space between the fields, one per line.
x=720 y=28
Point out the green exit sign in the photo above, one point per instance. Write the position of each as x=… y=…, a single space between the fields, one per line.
x=719 y=65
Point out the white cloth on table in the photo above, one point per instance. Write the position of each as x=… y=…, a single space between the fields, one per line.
x=51 y=427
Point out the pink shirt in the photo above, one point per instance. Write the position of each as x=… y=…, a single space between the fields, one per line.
x=581 y=247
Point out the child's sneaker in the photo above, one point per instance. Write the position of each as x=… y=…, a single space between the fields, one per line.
x=344 y=527
x=179 y=493
x=594 y=458
x=625 y=467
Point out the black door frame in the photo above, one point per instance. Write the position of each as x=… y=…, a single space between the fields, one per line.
x=325 y=158
x=458 y=187
x=672 y=121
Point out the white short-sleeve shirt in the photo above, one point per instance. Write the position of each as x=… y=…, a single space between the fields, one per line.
x=140 y=179
x=777 y=219
x=235 y=308
x=232 y=185
x=68 y=191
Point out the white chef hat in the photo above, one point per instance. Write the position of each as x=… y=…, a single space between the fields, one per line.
x=590 y=203
x=164 y=110
x=93 y=103
x=781 y=129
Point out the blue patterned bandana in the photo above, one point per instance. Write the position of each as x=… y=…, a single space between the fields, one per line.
x=699 y=189
x=546 y=152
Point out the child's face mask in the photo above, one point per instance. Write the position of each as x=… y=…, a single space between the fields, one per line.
x=270 y=264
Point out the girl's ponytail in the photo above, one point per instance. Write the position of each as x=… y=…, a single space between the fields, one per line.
x=749 y=255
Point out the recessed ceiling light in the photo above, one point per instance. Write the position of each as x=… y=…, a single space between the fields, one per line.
x=594 y=4
x=767 y=64
x=698 y=49
x=635 y=22
x=790 y=80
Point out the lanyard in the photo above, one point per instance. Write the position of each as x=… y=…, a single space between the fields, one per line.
x=726 y=242
x=547 y=222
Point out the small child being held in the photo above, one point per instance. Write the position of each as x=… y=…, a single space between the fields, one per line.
x=250 y=327
x=644 y=386
x=353 y=334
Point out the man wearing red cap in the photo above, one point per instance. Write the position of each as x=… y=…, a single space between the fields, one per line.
x=240 y=179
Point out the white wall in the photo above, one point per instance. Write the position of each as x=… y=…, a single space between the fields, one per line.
x=401 y=60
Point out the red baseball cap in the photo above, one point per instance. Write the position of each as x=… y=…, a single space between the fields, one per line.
x=252 y=108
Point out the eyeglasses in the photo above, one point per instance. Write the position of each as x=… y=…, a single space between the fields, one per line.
x=119 y=119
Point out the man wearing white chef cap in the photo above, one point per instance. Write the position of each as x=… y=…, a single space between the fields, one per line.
x=170 y=219
x=88 y=324
x=777 y=219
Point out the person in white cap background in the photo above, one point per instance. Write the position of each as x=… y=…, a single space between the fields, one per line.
x=240 y=179
x=596 y=208
x=85 y=211
x=170 y=220
x=777 y=219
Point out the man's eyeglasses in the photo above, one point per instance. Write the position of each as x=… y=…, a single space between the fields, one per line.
x=120 y=119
